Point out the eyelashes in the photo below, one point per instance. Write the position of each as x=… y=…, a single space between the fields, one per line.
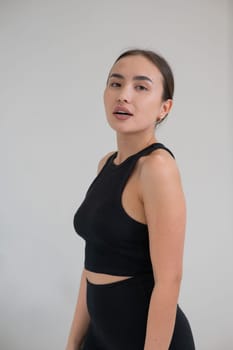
x=141 y=87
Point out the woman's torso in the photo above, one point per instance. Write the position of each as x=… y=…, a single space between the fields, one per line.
x=131 y=200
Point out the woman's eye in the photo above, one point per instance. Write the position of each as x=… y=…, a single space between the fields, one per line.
x=141 y=87
x=114 y=84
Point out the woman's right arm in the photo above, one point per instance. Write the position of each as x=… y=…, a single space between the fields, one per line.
x=81 y=318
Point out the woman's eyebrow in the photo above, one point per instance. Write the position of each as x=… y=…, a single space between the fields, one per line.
x=137 y=77
x=142 y=77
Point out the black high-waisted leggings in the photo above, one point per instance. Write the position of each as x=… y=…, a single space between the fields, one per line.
x=118 y=313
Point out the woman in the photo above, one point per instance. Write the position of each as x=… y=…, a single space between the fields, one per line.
x=133 y=221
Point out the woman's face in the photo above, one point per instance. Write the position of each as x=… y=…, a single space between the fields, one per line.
x=133 y=95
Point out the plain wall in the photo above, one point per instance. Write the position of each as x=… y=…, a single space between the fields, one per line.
x=55 y=57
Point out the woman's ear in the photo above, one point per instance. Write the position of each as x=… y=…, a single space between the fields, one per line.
x=165 y=108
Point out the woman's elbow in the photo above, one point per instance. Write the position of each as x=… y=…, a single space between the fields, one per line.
x=173 y=281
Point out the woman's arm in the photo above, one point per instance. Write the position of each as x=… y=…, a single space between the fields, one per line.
x=81 y=318
x=165 y=212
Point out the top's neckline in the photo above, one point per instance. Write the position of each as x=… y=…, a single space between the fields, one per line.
x=114 y=165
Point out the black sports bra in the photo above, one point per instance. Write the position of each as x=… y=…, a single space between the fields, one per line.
x=115 y=242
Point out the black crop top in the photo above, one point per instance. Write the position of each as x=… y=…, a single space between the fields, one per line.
x=115 y=242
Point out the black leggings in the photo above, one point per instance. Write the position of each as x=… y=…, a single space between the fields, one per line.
x=118 y=313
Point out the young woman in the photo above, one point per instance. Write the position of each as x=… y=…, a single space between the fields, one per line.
x=133 y=222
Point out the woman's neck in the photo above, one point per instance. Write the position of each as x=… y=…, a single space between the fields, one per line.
x=131 y=144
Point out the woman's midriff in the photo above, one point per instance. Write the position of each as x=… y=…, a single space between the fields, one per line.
x=102 y=278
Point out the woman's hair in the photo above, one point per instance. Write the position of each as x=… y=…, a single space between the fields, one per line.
x=163 y=67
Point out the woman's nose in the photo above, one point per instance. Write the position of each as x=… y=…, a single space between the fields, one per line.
x=124 y=95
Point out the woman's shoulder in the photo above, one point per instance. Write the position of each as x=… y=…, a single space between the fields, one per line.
x=159 y=176
x=158 y=163
x=104 y=159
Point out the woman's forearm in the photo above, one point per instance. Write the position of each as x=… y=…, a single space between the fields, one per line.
x=161 y=316
x=81 y=318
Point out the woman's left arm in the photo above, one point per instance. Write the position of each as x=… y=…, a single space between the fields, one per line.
x=165 y=211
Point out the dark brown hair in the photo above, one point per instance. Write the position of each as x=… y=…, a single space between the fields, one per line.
x=163 y=67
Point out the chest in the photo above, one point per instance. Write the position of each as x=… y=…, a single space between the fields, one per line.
x=111 y=210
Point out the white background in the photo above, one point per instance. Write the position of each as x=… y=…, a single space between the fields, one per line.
x=54 y=60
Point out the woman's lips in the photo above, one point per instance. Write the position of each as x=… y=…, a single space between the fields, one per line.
x=122 y=112
x=122 y=116
x=122 y=109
